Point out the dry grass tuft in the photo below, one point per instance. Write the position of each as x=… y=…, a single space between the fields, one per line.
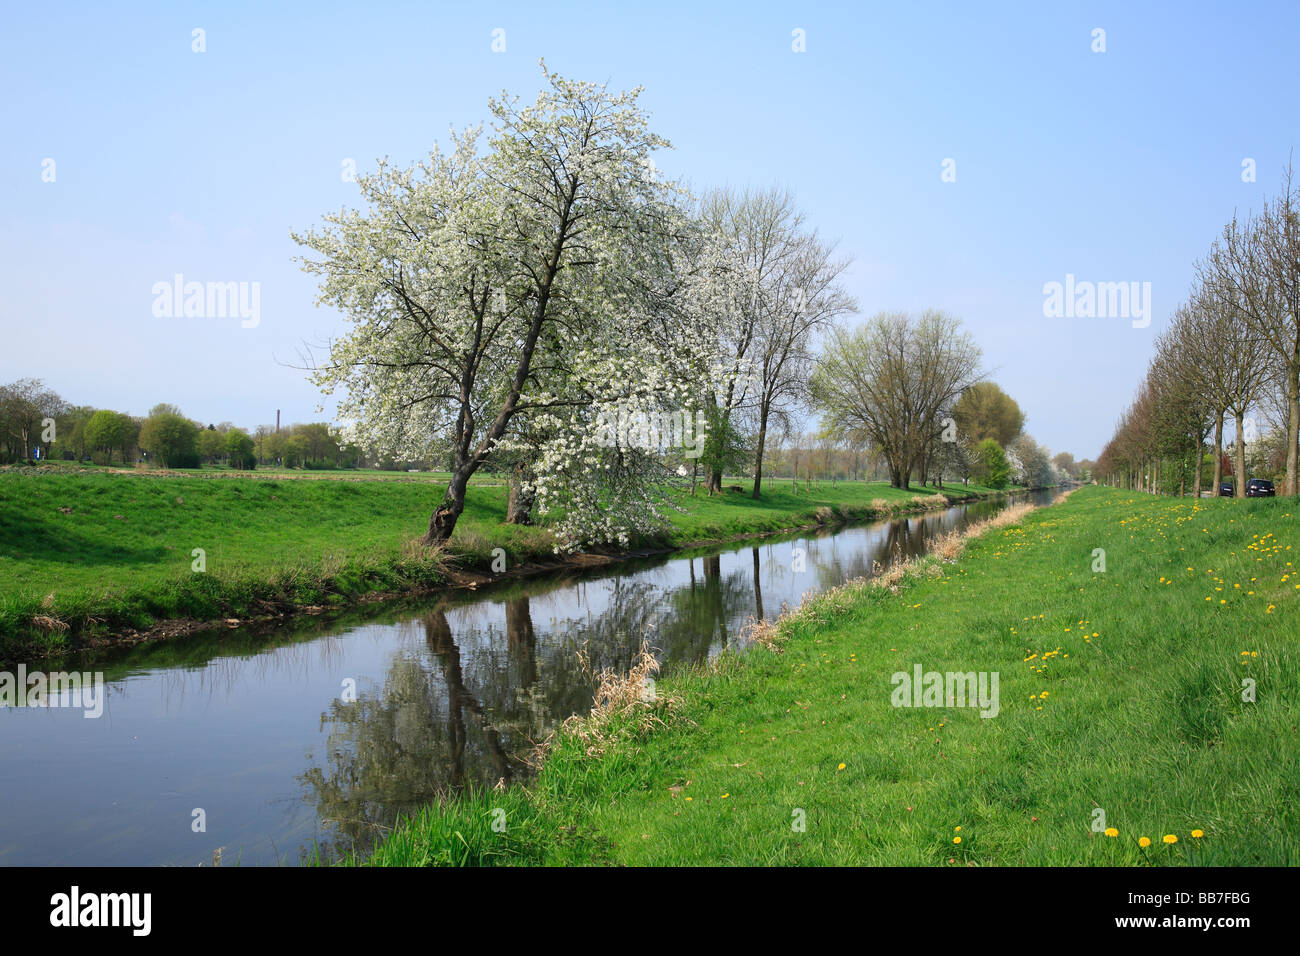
x=49 y=624
x=949 y=547
x=625 y=705
x=888 y=577
x=930 y=501
x=415 y=549
x=764 y=633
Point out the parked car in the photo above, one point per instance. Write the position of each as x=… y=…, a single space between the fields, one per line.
x=1260 y=488
x=1225 y=489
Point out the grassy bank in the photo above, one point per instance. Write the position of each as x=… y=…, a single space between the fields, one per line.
x=86 y=553
x=1119 y=691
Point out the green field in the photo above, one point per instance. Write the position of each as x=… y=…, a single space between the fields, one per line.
x=85 y=552
x=1120 y=692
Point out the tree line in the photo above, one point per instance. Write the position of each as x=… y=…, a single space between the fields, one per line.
x=1231 y=355
x=36 y=423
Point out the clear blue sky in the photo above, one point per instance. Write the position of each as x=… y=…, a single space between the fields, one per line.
x=1115 y=166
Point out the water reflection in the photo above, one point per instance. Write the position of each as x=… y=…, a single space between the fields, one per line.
x=450 y=693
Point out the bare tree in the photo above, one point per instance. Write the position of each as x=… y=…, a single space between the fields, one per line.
x=804 y=300
x=1223 y=354
x=1261 y=267
x=789 y=291
x=888 y=381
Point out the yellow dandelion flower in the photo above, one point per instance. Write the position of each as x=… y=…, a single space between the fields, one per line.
x=1112 y=832
x=1144 y=841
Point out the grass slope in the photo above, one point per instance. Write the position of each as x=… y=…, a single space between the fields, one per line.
x=1119 y=691
x=97 y=550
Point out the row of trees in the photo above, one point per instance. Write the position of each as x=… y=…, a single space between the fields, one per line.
x=507 y=300
x=912 y=388
x=35 y=421
x=1231 y=354
x=821 y=456
x=27 y=409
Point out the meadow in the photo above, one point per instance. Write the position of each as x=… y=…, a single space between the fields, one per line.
x=88 y=553
x=1146 y=649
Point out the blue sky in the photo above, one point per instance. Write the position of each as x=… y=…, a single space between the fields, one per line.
x=1114 y=166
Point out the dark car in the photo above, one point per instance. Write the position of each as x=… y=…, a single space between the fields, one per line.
x=1225 y=490
x=1260 y=488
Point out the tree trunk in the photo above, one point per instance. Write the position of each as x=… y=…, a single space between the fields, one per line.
x=1239 y=458
x=758 y=458
x=1292 y=424
x=1218 y=452
x=1199 y=443
x=443 y=520
x=519 y=505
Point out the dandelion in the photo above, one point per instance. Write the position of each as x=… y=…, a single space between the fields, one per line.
x=840 y=767
x=956 y=839
x=1144 y=842
x=1170 y=838
x=1112 y=832
x=1198 y=833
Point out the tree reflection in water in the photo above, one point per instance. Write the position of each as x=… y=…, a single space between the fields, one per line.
x=465 y=701
x=464 y=710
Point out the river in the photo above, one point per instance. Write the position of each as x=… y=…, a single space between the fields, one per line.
x=268 y=745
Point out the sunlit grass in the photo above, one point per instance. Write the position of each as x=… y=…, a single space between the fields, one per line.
x=1120 y=691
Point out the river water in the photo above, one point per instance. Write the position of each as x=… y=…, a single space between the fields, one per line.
x=266 y=745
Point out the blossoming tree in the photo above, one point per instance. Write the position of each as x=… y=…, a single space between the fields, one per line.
x=543 y=280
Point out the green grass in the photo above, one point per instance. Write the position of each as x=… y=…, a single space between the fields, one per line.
x=1136 y=710
x=120 y=556
x=263 y=471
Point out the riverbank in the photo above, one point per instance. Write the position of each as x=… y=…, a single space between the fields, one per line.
x=90 y=559
x=1145 y=714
